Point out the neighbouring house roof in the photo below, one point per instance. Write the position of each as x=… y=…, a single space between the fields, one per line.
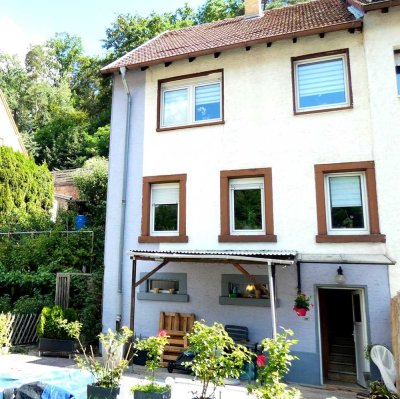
x=13 y=124
x=370 y=5
x=318 y=16
x=64 y=185
x=217 y=256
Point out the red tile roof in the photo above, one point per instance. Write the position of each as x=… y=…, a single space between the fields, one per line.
x=305 y=19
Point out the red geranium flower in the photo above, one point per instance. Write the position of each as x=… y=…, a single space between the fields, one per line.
x=261 y=360
x=162 y=333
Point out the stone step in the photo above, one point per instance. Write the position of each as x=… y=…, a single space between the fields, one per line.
x=339 y=367
x=343 y=341
x=342 y=357
x=344 y=377
x=343 y=349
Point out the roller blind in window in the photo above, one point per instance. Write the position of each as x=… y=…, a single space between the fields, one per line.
x=345 y=191
x=208 y=94
x=165 y=195
x=322 y=77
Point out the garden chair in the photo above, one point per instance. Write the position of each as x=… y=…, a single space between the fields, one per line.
x=384 y=360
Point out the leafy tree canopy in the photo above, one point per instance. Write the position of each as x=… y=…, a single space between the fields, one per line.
x=26 y=190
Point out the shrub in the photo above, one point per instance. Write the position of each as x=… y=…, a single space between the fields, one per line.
x=52 y=322
x=28 y=305
x=272 y=368
x=217 y=356
x=5 y=303
x=5 y=325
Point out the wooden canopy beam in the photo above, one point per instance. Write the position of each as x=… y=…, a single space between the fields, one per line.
x=256 y=284
x=149 y=274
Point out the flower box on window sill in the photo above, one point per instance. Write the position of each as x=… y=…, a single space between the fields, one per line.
x=248 y=238
x=152 y=239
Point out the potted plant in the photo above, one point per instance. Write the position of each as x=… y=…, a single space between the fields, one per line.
x=301 y=304
x=217 y=357
x=155 y=349
x=51 y=330
x=108 y=372
x=273 y=367
x=5 y=326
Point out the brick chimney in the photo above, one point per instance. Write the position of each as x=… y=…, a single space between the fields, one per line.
x=252 y=8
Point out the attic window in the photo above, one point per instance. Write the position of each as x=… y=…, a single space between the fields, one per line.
x=191 y=100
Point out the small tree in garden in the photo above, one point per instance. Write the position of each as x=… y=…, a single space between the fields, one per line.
x=5 y=326
x=272 y=368
x=155 y=349
x=216 y=356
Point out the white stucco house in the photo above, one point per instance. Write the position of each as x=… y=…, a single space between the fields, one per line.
x=263 y=145
x=9 y=135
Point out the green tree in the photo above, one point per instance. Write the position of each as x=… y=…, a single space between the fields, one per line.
x=269 y=4
x=215 y=10
x=64 y=142
x=26 y=190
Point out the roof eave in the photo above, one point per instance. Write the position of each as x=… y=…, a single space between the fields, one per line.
x=326 y=29
x=374 y=6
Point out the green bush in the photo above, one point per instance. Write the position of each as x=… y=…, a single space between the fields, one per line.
x=26 y=189
x=50 y=323
x=5 y=326
x=5 y=303
x=27 y=305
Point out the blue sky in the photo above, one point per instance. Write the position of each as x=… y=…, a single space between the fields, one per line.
x=23 y=22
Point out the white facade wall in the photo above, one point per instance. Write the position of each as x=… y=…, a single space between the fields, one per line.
x=381 y=38
x=9 y=135
x=260 y=131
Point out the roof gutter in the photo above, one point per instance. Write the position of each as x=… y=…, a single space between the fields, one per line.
x=326 y=29
x=124 y=189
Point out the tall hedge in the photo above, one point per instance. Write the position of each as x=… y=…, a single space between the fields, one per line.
x=26 y=189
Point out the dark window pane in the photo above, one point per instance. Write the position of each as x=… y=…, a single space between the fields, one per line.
x=348 y=217
x=166 y=217
x=163 y=285
x=247 y=209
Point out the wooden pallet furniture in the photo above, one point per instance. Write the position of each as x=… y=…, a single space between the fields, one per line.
x=176 y=325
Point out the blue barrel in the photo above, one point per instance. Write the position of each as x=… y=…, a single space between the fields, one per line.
x=80 y=221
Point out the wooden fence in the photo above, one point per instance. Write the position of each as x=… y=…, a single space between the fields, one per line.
x=395 y=310
x=23 y=328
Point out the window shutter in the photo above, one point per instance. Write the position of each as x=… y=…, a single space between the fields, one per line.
x=209 y=94
x=165 y=195
x=321 y=78
x=345 y=191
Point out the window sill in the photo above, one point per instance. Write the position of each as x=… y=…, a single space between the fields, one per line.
x=156 y=239
x=150 y=296
x=248 y=238
x=261 y=302
x=166 y=129
x=314 y=111
x=323 y=238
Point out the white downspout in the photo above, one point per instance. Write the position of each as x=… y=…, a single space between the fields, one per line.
x=123 y=200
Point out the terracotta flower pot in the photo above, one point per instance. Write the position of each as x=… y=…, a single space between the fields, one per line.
x=300 y=311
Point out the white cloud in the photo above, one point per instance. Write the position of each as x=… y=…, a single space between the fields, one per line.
x=14 y=40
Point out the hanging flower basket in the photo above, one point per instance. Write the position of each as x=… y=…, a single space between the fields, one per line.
x=301 y=304
x=300 y=311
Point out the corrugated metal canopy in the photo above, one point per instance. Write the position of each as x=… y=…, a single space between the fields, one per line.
x=343 y=258
x=217 y=256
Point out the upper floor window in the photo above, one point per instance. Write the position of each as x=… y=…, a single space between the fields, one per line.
x=191 y=100
x=246 y=206
x=164 y=212
x=164 y=209
x=347 y=206
x=346 y=201
x=397 y=62
x=321 y=82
